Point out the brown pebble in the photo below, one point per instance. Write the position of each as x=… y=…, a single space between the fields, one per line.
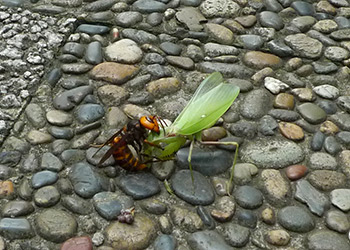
x=213 y=134
x=284 y=101
x=221 y=216
x=329 y=128
x=6 y=189
x=268 y=216
x=295 y=172
x=278 y=237
x=291 y=131
x=77 y=243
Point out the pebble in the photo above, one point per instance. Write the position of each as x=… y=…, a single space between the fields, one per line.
x=284 y=115
x=74 y=203
x=55 y=225
x=284 y=101
x=165 y=242
x=268 y=216
x=44 y=178
x=344 y=103
x=248 y=197
x=145 y=6
x=207 y=240
x=244 y=173
x=260 y=60
x=124 y=51
x=295 y=172
x=344 y=137
x=278 y=237
x=329 y=128
x=336 y=54
x=139 y=185
x=337 y=221
x=207 y=219
x=88 y=113
x=82 y=242
x=327 y=180
x=94 y=53
x=224 y=209
x=59 y=118
x=35 y=115
x=206 y=162
x=342 y=120
x=328 y=106
x=256 y=104
x=271 y=20
x=341 y=199
x=110 y=95
x=154 y=206
x=295 y=219
x=304 y=46
x=112 y=72
x=269 y=154
x=17 y=208
x=291 y=131
x=186 y=219
x=237 y=235
x=267 y=125
x=192 y=192
x=327 y=91
x=47 y=196
x=92 y=29
x=327 y=239
x=35 y=137
x=331 y=145
x=164 y=86
x=16 y=228
x=68 y=99
x=247 y=218
x=181 y=62
x=251 y=42
x=277 y=188
x=317 y=202
x=85 y=181
x=61 y=133
x=109 y=205
x=140 y=36
x=312 y=113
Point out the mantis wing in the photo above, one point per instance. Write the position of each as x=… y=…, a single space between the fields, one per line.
x=210 y=101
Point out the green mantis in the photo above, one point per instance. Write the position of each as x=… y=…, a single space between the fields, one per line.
x=210 y=101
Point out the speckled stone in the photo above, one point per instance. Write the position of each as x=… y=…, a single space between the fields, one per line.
x=295 y=219
x=291 y=131
x=327 y=180
x=328 y=240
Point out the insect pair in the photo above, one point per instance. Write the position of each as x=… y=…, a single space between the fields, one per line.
x=211 y=100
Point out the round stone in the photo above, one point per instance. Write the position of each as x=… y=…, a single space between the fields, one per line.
x=278 y=237
x=335 y=53
x=295 y=219
x=237 y=235
x=295 y=172
x=327 y=91
x=247 y=218
x=312 y=113
x=139 y=185
x=46 y=196
x=197 y=191
x=124 y=51
x=291 y=131
x=44 y=178
x=325 y=239
x=327 y=180
x=284 y=101
x=17 y=208
x=83 y=242
x=256 y=104
x=337 y=221
x=248 y=197
x=271 y=20
x=341 y=199
x=88 y=113
x=138 y=236
x=55 y=225
x=208 y=239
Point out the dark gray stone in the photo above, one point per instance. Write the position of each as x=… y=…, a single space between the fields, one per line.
x=236 y=235
x=247 y=218
x=271 y=20
x=295 y=219
x=303 y=8
x=68 y=99
x=256 y=104
x=94 y=53
x=332 y=146
x=209 y=163
x=75 y=49
x=248 y=197
x=317 y=141
x=207 y=240
x=198 y=191
x=77 y=205
x=18 y=228
x=92 y=29
x=139 y=185
x=149 y=6
x=284 y=115
x=88 y=113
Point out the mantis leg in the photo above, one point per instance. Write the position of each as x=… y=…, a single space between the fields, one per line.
x=234 y=159
x=189 y=159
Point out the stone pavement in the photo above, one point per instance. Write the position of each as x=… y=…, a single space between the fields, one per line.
x=72 y=72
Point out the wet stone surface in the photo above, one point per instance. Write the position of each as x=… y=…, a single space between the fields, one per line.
x=73 y=73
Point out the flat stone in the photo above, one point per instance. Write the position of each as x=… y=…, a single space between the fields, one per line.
x=113 y=72
x=76 y=68
x=86 y=182
x=237 y=235
x=304 y=45
x=275 y=186
x=68 y=99
x=140 y=36
x=128 y=18
x=248 y=197
x=317 y=202
x=341 y=199
x=82 y=242
x=35 y=137
x=94 y=53
x=219 y=33
x=327 y=240
x=219 y=8
x=145 y=6
x=17 y=208
x=336 y=53
x=181 y=62
x=16 y=228
x=192 y=192
x=137 y=236
x=112 y=95
x=322 y=161
x=260 y=60
x=312 y=113
x=304 y=94
x=256 y=104
x=124 y=51
x=291 y=131
x=327 y=91
x=284 y=101
x=191 y=17
x=46 y=196
x=164 y=241
x=342 y=120
x=35 y=115
x=139 y=185
x=44 y=178
x=278 y=237
x=92 y=29
x=75 y=204
x=207 y=240
x=272 y=154
x=59 y=118
x=247 y=218
x=327 y=180
x=163 y=86
x=186 y=219
x=88 y=113
x=271 y=20
x=295 y=219
x=337 y=221
x=55 y=225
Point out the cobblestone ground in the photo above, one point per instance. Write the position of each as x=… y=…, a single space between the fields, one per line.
x=73 y=72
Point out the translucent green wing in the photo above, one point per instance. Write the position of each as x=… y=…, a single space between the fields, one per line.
x=206 y=85
x=206 y=107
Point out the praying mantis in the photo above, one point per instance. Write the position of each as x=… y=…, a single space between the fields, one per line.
x=210 y=101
